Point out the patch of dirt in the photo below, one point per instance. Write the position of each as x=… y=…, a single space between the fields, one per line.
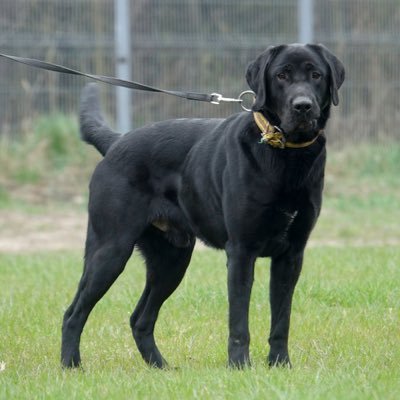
x=22 y=232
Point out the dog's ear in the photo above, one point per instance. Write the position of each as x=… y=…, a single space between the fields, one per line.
x=336 y=69
x=255 y=75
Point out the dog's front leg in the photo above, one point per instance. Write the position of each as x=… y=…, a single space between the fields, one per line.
x=285 y=271
x=240 y=281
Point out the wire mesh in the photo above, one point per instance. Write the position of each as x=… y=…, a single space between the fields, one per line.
x=197 y=45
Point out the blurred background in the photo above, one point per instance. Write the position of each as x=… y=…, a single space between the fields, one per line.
x=191 y=45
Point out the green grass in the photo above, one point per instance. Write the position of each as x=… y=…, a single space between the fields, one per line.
x=49 y=160
x=51 y=144
x=345 y=337
x=361 y=196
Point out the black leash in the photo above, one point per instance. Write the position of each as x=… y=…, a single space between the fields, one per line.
x=214 y=98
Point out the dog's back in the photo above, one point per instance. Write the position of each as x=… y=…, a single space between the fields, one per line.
x=158 y=137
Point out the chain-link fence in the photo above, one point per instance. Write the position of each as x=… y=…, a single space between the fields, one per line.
x=196 y=45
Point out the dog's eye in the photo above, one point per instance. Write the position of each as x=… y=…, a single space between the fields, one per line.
x=316 y=75
x=281 y=76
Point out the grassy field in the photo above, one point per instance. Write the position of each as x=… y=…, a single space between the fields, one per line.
x=345 y=337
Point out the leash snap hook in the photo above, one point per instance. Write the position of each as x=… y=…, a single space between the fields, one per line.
x=217 y=98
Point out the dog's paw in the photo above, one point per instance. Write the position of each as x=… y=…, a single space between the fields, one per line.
x=279 y=360
x=239 y=359
x=239 y=365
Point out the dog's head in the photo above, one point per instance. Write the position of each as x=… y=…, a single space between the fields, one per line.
x=295 y=86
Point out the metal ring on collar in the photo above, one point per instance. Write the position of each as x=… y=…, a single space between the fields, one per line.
x=243 y=94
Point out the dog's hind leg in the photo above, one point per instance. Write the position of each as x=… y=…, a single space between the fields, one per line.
x=115 y=223
x=166 y=266
x=103 y=264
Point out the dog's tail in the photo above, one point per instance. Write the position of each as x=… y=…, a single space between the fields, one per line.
x=94 y=129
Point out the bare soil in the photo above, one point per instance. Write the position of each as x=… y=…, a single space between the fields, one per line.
x=23 y=232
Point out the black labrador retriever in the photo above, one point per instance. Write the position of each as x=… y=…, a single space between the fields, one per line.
x=250 y=184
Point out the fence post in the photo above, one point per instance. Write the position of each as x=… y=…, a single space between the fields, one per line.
x=122 y=36
x=305 y=20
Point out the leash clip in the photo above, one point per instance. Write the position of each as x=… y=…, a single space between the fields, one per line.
x=217 y=98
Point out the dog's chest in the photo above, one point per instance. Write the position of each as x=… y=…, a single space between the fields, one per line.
x=274 y=232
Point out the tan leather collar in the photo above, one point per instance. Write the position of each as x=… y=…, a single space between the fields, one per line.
x=271 y=135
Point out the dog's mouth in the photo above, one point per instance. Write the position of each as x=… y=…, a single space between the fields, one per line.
x=305 y=128
x=300 y=131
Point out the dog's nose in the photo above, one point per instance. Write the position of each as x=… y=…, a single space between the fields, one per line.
x=302 y=105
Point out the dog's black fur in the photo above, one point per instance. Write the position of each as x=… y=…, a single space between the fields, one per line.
x=160 y=186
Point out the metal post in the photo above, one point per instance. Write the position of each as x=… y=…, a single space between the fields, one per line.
x=123 y=63
x=305 y=20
